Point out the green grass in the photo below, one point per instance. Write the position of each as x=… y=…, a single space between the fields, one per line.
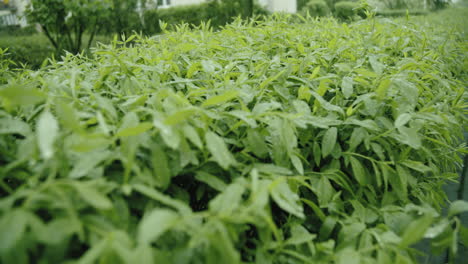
x=31 y=50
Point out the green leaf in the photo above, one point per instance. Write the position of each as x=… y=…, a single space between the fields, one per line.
x=256 y=143
x=135 y=130
x=9 y=125
x=402 y=120
x=92 y=196
x=383 y=88
x=47 y=132
x=359 y=172
x=299 y=235
x=348 y=256
x=327 y=227
x=227 y=96
x=409 y=136
x=416 y=165
x=193 y=136
x=12 y=228
x=21 y=94
x=95 y=252
x=285 y=198
x=324 y=191
x=167 y=200
x=415 y=231
x=180 y=116
x=317 y=152
x=329 y=141
x=347 y=87
x=68 y=116
x=229 y=200
x=211 y=180
x=156 y=223
x=170 y=136
x=88 y=162
x=219 y=150
x=327 y=105
x=161 y=167
x=457 y=208
x=297 y=163
x=377 y=66
x=403 y=178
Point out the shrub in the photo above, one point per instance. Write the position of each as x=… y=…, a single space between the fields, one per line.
x=346 y=10
x=17 y=31
x=30 y=50
x=307 y=142
x=317 y=8
x=401 y=13
x=301 y=4
x=219 y=13
x=65 y=23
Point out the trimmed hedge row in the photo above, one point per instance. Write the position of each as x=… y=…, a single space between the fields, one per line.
x=219 y=13
x=292 y=141
x=343 y=10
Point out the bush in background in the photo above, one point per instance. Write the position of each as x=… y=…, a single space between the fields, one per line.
x=30 y=51
x=316 y=8
x=346 y=10
x=121 y=18
x=401 y=12
x=219 y=13
x=8 y=31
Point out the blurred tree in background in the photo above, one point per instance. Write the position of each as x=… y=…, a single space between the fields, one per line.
x=65 y=22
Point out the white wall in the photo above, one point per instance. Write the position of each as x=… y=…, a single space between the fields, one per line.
x=289 y=6
x=186 y=2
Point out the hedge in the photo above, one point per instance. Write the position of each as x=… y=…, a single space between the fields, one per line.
x=291 y=141
x=316 y=8
x=219 y=13
x=27 y=50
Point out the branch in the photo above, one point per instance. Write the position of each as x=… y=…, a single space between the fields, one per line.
x=46 y=31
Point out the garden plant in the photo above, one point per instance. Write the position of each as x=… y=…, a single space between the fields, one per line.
x=284 y=140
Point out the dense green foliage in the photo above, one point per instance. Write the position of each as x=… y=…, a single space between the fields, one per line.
x=121 y=17
x=346 y=10
x=292 y=141
x=401 y=13
x=316 y=8
x=219 y=13
x=30 y=50
x=65 y=22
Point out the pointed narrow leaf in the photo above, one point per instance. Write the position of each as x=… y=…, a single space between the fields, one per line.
x=47 y=132
x=359 y=172
x=155 y=224
x=402 y=120
x=191 y=134
x=219 y=150
x=329 y=141
x=161 y=167
x=227 y=96
x=297 y=163
x=415 y=231
x=347 y=87
x=92 y=196
x=285 y=198
x=136 y=130
x=458 y=207
x=211 y=180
